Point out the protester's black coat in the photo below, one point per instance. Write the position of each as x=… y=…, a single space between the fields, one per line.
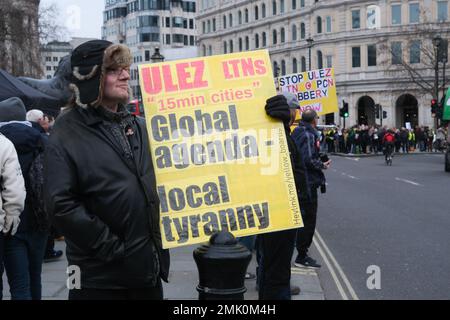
x=305 y=139
x=28 y=143
x=107 y=209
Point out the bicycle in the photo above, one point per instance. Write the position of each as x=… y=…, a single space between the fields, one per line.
x=389 y=154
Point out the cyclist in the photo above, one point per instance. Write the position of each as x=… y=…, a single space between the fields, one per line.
x=388 y=143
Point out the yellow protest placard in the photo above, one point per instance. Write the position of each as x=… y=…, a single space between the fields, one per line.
x=221 y=163
x=315 y=89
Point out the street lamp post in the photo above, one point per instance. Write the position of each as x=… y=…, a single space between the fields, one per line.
x=310 y=42
x=437 y=40
x=157 y=57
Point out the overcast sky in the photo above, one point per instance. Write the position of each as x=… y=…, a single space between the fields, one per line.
x=82 y=18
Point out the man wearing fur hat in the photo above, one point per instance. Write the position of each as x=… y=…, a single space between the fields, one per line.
x=100 y=186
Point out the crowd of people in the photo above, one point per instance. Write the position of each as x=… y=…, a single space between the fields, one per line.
x=363 y=139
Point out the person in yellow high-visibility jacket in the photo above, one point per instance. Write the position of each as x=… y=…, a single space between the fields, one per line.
x=411 y=140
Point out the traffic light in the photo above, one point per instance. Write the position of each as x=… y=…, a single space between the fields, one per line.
x=434 y=106
x=343 y=112
x=377 y=111
x=384 y=114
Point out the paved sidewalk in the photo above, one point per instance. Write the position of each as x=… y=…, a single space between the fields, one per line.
x=183 y=279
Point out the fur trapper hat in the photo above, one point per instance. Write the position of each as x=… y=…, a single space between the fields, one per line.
x=90 y=61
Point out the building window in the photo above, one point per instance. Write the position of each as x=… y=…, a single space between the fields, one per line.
x=256 y=13
x=294 y=32
x=414 y=51
x=210 y=50
x=191 y=24
x=214 y=25
x=224 y=20
x=328 y=22
x=147 y=55
x=274 y=8
x=302 y=3
x=240 y=44
x=294 y=65
x=396 y=49
x=329 y=61
x=230 y=20
x=191 y=41
x=371 y=55
x=264 y=39
x=209 y=26
x=283 y=67
x=168 y=22
x=263 y=10
x=302 y=31
x=303 y=64
x=49 y=68
x=294 y=4
x=204 y=50
x=167 y=38
x=49 y=76
x=247 y=43
x=356 y=57
x=224 y=47
x=442 y=11
x=275 y=69
x=396 y=11
x=48 y=59
x=282 y=33
x=281 y=6
x=274 y=37
x=240 y=17
x=231 y=46
x=55 y=59
x=246 y=15
x=356 y=21
x=256 y=41
x=319 y=59
x=177 y=22
x=414 y=13
x=319 y=24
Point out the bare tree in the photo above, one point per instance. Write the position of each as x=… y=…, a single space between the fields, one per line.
x=19 y=37
x=415 y=59
x=23 y=24
x=49 y=28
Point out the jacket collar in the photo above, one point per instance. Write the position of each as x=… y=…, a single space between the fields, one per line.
x=92 y=116
x=89 y=115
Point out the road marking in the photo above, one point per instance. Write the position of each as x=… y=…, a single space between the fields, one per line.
x=303 y=271
x=350 y=176
x=353 y=159
x=341 y=272
x=330 y=267
x=408 y=181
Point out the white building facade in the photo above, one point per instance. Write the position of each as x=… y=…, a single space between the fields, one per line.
x=144 y=25
x=54 y=51
x=370 y=44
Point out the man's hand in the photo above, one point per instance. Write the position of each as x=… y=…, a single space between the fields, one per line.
x=277 y=107
x=327 y=164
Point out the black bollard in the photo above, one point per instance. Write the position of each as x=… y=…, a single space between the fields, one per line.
x=222 y=264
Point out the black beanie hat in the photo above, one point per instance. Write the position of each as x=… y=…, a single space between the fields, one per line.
x=12 y=109
x=89 y=63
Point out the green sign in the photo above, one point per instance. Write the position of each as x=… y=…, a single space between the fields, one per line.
x=446 y=113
